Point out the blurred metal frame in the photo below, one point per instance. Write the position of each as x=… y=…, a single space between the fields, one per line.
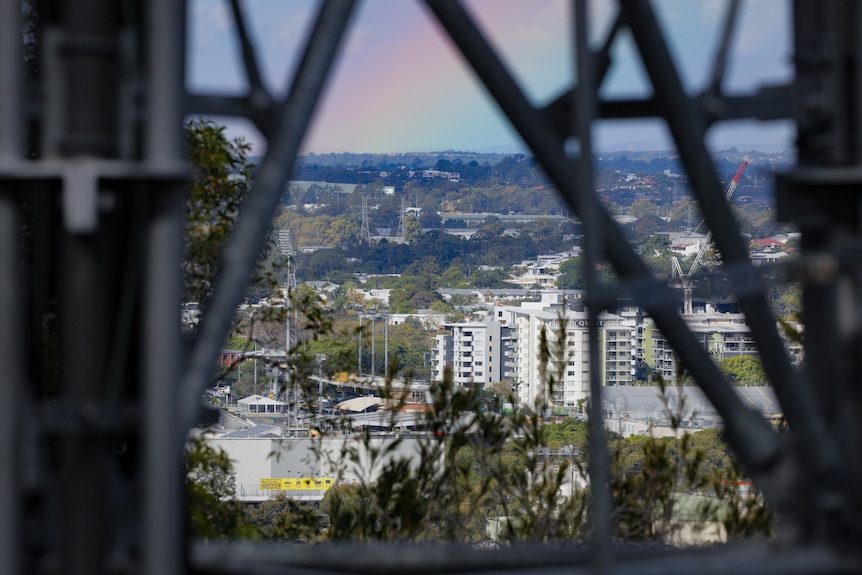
x=108 y=109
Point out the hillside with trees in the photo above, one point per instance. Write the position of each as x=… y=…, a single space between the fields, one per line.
x=647 y=188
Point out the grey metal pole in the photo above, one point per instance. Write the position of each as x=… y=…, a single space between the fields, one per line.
x=166 y=27
x=11 y=67
x=164 y=534
x=10 y=339
x=10 y=304
x=164 y=150
x=287 y=331
x=584 y=104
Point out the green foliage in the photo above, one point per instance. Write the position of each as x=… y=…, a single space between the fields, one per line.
x=571 y=275
x=570 y=431
x=474 y=468
x=490 y=279
x=210 y=485
x=284 y=518
x=642 y=209
x=742 y=509
x=220 y=172
x=743 y=370
x=786 y=300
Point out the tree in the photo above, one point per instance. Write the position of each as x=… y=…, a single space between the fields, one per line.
x=284 y=518
x=643 y=208
x=220 y=180
x=743 y=370
x=453 y=277
x=571 y=275
x=786 y=300
x=490 y=279
x=210 y=484
x=412 y=229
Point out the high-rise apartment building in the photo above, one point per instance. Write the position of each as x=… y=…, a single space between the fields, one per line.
x=564 y=378
x=723 y=335
x=477 y=353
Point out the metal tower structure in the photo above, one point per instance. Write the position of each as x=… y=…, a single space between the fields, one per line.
x=285 y=243
x=285 y=246
x=365 y=230
x=401 y=232
x=687 y=279
x=101 y=391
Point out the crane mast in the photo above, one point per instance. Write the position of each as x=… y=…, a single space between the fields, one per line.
x=686 y=279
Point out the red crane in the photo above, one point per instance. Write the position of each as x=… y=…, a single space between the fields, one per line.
x=686 y=278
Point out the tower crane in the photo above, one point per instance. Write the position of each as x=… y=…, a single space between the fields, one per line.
x=687 y=279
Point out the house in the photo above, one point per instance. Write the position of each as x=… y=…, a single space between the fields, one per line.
x=228 y=357
x=685 y=249
x=766 y=243
x=261 y=404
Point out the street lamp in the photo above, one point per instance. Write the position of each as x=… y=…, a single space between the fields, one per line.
x=319 y=358
x=386 y=346
x=359 y=362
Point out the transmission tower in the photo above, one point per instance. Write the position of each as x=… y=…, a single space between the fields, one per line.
x=401 y=232
x=365 y=231
x=285 y=246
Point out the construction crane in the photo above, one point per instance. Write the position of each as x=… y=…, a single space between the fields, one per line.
x=687 y=279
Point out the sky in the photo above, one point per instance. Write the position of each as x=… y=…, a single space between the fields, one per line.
x=399 y=85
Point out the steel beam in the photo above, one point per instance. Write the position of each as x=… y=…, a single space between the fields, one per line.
x=161 y=349
x=165 y=26
x=163 y=487
x=11 y=331
x=11 y=73
x=581 y=154
x=719 y=63
x=393 y=559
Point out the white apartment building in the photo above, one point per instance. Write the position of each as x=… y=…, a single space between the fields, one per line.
x=569 y=361
x=478 y=353
x=721 y=334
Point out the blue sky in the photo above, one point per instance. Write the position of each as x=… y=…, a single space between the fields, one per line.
x=400 y=86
